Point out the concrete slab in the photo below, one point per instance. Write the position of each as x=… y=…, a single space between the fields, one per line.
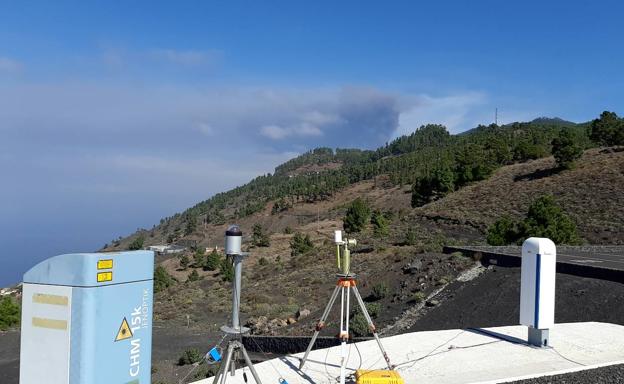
x=459 y=356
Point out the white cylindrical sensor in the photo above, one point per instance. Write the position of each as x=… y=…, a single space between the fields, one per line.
x=537 y=291
x=338 y=236
x=233 y=240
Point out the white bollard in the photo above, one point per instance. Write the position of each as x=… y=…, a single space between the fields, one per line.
x=537 y=292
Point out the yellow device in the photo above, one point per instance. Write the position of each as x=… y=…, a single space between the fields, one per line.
x=343 y=254
x=363 y=376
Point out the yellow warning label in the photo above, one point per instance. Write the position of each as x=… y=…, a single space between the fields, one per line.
x=104 y=276
x=105 y=264
x=124 y=331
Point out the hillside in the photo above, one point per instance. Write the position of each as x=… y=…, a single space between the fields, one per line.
x=278 y=285
x=493 y=171
x=592 y=194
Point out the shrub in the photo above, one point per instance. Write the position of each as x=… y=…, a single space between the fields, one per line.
x=544 y=219
x=193 y=276
x=419 y=297
x=504 y=231
x=410 y=237
x=199 y=259
x=226 y=269
x=300 y=244
x=263 y=261
x=288 y=231
x=380 y=291
x=374 y=309
x=136 y=244
x=547 y=219
x=9 y=313
x=358 y=325
x=357 y=216
x=162 y=279
x=259 y=237
x=190 y=356
x=566 y=149
x=184 y=261
x=380 y=224
x=213 y=261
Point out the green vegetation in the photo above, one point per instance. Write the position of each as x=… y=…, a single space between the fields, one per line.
x=190 y=223
x=199 y=258
x=184 y=261
x=9 y=313
x=213 y=261
x=280 y=205
x=226 y=269
x=300 y=244
x=566 y=149
x=608 y=130
x=162 y=279
x=410 y=237
x=259 y=237
x=418 y=297
x=263 y=261
x=358 y=215
x=432 y=187
x=358 y=324
x=190 y=356
x=379 y=291
x=544 y=219
x=503 y=232
x=430 y=160
x=137 y=243
x=193 y=276
x=380 y=224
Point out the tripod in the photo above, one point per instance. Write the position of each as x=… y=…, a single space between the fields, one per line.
x=346 y=284
x=235 y=349
x=233 y=240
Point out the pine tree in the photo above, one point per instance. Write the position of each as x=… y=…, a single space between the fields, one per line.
x=213 y=261
x=358 y=215
x=566 y=150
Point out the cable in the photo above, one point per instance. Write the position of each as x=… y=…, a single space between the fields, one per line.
x=269 y=360
x=565 y=358
x=431 y=352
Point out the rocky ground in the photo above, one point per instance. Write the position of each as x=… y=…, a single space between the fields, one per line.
x=493 y=299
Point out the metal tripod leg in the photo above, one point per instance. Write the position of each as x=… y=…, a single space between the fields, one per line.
x=371 y=325
x=223 y=369
x=320 y=325
x=228 y=363
x=250 y=364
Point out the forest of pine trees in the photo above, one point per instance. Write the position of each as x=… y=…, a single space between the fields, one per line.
x=431 y=160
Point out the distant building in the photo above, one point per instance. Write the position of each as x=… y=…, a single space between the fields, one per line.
x=215 y=248
x=166 y=249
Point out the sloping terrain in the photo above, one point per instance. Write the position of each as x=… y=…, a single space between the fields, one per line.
x=592 y=194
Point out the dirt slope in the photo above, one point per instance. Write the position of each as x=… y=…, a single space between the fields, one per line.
x=592 y=193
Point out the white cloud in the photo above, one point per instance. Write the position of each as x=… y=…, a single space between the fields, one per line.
x=9 y=65
x=304 y=129
x=274 y=132
x=457 y=112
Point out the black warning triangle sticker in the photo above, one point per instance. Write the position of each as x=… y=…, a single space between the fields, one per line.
x=124 y=331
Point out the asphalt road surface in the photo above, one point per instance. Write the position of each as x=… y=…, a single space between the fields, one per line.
x=608 y=256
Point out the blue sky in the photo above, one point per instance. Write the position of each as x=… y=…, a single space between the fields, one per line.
x=115 y=114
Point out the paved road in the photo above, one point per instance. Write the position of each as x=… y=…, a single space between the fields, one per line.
x=611 y=257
